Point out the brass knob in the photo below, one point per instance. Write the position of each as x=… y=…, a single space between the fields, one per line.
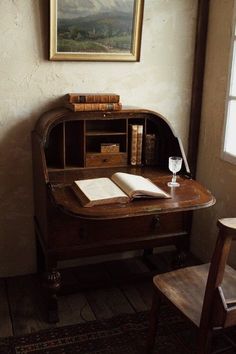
x=156 y=222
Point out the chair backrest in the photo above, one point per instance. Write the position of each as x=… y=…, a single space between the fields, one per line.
x=215 y=311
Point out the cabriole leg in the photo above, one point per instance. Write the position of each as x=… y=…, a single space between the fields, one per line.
x=52 y=283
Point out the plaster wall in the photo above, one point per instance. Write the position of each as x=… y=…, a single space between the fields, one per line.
x=30 y=85
x=218 y=175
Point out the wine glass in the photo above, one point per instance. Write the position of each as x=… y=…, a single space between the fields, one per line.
x=175 y=163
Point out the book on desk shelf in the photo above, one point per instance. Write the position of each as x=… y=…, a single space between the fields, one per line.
x=120 y=188
x=150 y=149
x=92 y=98
x=136 y=144
x=79 y=107
x=139 y=144
x=133 y=143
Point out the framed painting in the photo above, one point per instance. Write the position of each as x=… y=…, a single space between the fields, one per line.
x=95 y=30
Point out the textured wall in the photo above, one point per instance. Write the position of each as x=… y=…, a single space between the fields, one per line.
x=219 y=176
x=30 y=84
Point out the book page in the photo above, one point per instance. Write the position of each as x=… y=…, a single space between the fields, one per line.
x=100 y=189
x=137 y=186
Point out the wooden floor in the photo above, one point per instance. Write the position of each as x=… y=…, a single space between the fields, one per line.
x=107 y=290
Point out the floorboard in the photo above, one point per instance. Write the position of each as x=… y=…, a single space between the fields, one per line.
x=108 y=302
x=21 y=301
x=107 y=289
x=145 y=290
x=84 y=277
x=74 y=309
x=127 y=270
x=26 y=308
x=139 y=295
x=134 y=298
x=5 y=322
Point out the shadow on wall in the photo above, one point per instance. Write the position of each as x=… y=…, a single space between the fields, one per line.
x=42 y=26
x=17 y=241
x=17 y=251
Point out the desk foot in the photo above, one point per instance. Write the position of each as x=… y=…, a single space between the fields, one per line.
x=147 y=259
x=52 y=284
x=179 y=260
x=53 y=313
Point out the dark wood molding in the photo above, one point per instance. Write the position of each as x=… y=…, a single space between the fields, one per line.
x=197 y=83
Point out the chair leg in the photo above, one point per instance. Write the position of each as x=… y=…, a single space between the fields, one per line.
x=204 y=342
x=153 y=321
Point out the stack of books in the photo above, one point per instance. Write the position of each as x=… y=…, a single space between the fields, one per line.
x=78 y=102
x=136 y=144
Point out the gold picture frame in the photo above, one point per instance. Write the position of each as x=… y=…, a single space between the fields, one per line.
x=105 y=34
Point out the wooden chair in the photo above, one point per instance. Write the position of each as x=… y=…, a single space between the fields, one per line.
x=205 y=294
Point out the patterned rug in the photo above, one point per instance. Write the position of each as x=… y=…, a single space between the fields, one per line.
x=124 y=334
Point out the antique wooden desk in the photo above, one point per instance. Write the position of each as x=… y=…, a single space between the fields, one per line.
x=66 y=147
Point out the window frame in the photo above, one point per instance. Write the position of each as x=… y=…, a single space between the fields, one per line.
x=225 y=155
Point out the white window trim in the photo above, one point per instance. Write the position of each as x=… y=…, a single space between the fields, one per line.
x=224 y=154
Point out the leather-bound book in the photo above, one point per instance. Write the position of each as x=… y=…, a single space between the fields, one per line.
x=92 y=98
x=133 y=131
x=150 y=149
x=139 y=144
x=79 y=107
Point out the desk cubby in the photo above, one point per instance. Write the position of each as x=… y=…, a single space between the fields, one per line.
x=75 y=142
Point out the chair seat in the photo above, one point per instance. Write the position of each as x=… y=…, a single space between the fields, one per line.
x=185 y=288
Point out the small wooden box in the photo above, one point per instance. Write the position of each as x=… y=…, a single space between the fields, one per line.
x=110 y=148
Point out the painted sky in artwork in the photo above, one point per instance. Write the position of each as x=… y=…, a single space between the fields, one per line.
x=81 y=8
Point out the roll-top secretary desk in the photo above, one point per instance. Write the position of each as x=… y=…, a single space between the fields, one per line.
x=67 y=147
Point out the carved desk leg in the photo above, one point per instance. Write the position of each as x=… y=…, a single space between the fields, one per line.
x=52 y=285
x=147 y=252
x=183 y=245
x=181 y=255
x=179 y=259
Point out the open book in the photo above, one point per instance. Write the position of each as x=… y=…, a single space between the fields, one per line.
x=120 y=188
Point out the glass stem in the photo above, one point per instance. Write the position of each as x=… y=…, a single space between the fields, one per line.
x=174 y=178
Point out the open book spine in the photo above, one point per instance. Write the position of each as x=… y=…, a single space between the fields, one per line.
x=92 y=98
x=78 y=107
x=139 y=144
x=133 y=144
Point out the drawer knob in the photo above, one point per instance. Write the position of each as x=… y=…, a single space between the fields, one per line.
x=104 y=160
x=156 y=222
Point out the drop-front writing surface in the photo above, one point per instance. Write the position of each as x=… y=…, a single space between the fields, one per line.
x=190 y=194
x=66 y=147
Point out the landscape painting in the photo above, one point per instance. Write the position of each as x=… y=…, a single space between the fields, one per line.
x=106 y=30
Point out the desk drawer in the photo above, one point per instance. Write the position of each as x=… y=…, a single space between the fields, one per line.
x=67 y=231
x=99 y=160
x=136 y=227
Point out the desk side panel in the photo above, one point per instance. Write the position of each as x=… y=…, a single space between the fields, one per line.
x=40 y=178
